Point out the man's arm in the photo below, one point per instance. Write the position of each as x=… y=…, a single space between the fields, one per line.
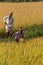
x=4 y=19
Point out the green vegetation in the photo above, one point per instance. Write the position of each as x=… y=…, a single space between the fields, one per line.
x=20 y=0
x=32 y=31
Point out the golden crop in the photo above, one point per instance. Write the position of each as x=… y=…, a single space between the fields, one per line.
x=25 y=52
x=24 y=14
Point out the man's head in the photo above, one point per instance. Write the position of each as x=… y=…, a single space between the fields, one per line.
x=10 y=14
x=20 y=29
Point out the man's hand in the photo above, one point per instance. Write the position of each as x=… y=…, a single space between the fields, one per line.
x=5 y=23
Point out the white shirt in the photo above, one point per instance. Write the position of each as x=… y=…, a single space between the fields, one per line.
x=8 y=22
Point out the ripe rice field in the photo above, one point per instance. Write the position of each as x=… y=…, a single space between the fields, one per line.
x=25 y=52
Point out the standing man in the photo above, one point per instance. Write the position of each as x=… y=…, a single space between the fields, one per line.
x=8 y=20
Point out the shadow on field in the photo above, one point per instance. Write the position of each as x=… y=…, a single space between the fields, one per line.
x=4 y=37
x=30 y=32
x=33 y=31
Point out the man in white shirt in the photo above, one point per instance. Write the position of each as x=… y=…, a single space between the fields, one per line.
x=8 y=20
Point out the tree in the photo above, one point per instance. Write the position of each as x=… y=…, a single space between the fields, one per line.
x=1 y=0
x=8 y=0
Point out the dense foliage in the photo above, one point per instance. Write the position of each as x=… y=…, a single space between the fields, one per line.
x=20 y=0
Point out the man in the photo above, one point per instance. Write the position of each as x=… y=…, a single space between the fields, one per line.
x=19 y=34
x=8 y=20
